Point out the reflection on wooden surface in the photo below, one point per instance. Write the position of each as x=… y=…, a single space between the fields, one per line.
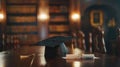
x=31 y=57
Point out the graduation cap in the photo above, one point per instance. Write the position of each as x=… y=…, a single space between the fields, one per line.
x=52 y=44
x=54 y=41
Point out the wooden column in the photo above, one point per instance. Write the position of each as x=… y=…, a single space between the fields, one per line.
x=3 y=14
x=43 y=16
x=2 y=23
x=75 y=10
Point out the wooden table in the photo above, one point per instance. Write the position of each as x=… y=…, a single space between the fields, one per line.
x=30 y=56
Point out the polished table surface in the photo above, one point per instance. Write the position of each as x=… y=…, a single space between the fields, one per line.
x=30 y=56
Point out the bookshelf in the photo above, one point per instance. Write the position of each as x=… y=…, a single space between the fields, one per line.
x=59 y=17
x=22 y=20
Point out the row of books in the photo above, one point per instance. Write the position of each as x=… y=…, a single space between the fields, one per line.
x=22 y=19
x=21 y=9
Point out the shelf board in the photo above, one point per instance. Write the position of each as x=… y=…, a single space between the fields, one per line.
x=60 y=13
x=22 y=33
x=22 y=14
x=21 y=4
x=58 y=23
x=59 y=2
x=63 y=34
x=57 y=32
x=20 y=24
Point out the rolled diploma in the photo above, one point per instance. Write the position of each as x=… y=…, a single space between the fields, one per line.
x=88 y=56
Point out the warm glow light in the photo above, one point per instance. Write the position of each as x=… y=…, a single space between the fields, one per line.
x=76 y=64
x=1 y=16
x=2 y=63
x=77 y=51
x=43 y=16
x=75 y=16
x=2 y=60
x=42 y=61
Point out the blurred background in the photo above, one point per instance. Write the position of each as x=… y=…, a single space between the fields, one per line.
x=96 y=23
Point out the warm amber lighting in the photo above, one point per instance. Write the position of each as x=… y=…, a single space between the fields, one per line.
x=1 y=16
x=2 y=63
x=42 y=61
x=112 y=23
x=75 y=17
x=2 y=60
x=76 y=64
x=24 y=56
x=43 y=17
x=77 y=51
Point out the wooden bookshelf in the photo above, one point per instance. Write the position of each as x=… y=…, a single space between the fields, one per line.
x=22 y=20
x=59 y=17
